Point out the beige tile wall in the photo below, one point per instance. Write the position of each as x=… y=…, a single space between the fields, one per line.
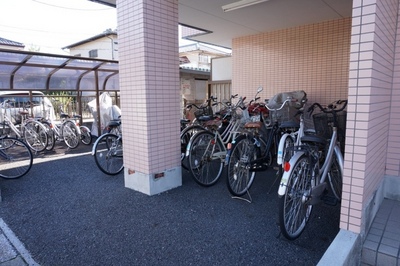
x=313 y=58
x=149 y=74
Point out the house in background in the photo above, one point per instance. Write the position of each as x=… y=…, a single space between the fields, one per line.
x=102 y=46
x=194 y=62
x=8 y=44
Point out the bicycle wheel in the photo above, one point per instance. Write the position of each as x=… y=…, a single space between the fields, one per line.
x=185 y=137
x=16 y=158
x=86 y=136
x=294 y=211
x=205 y=158
x=51 y=139
x=35 y=135
x=108 y=154
x=71 y=134
x=335 y=177
x=240 y=178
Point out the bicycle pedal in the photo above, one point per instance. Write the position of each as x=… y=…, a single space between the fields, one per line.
x=329 y=200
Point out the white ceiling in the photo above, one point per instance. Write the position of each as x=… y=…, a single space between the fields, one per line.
x=263 y=17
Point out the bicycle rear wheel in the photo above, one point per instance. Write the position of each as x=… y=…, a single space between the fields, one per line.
x=205 y=158
x=294 y=211
x=86 y=136
x=240 y=178
x=108 y=154
x=16 y=158
x=35 y=135
x=71 y=134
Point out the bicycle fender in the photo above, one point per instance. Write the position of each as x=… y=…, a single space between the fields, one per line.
x=281 y=146
x=97 y=141
x=286 y=174
x=191 y=143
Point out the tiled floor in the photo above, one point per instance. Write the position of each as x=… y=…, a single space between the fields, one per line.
x=382 y=244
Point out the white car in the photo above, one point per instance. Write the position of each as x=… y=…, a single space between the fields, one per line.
x=12 y=102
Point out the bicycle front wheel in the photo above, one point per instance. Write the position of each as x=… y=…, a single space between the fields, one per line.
x=206 y=158
x=335 y=177
x=16 y=158
x=108 y=154
x=294 y=211
x=71 y=134
x=240 y=178
x=51 y=138
x=35 y=135
x=186 y=135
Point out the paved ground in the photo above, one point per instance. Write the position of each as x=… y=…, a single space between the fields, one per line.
x=67 y=212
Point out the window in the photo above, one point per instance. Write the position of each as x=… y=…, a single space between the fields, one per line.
x=205 y=59
x=93 y=53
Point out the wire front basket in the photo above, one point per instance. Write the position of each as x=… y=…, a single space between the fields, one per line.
x=205 y=111
x=323 y=125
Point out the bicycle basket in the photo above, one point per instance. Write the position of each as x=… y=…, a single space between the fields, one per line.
x=205 y=111
x=5 y=130
x=323 y=125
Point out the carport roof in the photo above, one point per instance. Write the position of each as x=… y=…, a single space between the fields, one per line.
x=22 y=70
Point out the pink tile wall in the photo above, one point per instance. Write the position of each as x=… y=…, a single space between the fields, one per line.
x=149 y=74
x=313 y=58
x=370 y=92
x=393 y=153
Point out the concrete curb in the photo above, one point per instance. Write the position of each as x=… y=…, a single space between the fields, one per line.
x=13 y=242
x=344 y=250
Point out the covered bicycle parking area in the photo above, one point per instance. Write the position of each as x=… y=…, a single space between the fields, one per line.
x=58 y=76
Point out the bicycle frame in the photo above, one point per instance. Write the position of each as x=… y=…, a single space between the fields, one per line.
x=13 y=127
x=324 y=169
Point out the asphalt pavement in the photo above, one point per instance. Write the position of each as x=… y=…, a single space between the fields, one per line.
x=67 y=212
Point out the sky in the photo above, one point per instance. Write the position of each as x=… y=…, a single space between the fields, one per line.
x=53 y=24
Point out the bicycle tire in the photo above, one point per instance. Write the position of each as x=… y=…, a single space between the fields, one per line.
x=204 y=169
x=108 y=154
x=335 y=178
x=185 y=136
x=86 y=135
x=294 y=212
x=71 y=134
x=35 y=135
x=16 y=158
x=51 y=139
x=239 y=178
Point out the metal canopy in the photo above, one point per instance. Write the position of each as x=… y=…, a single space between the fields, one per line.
x=22 y=70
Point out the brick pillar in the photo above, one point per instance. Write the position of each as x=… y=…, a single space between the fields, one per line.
x=150 y=95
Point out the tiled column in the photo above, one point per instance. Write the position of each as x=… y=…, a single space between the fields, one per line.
x=150 y=99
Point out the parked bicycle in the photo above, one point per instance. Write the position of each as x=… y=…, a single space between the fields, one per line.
x=314 y=172
x=25 y=128
x=68 y=130
x=207 y=150
x=108 y=153
x=16 y=158
x=253 y=150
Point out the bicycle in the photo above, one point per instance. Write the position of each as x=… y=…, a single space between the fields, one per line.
x=252 y=151
x=313 y=171
x=206 y=150
x=203 y=115
x=68 y=131
x=31 y=131
x=108 y=153
x=16 y=158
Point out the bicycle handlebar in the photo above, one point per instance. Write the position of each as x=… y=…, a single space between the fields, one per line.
x=331 y=107
x=289 y=99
